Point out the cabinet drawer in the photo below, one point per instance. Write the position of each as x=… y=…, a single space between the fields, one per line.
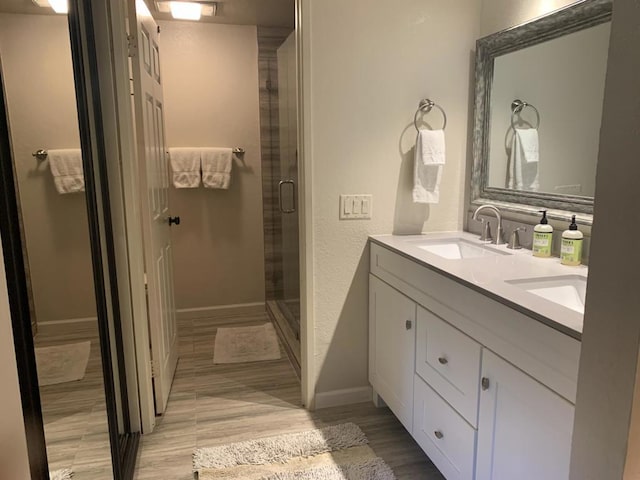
x=446 y=438
x=449 y=361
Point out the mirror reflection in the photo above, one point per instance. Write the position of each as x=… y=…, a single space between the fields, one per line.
x=545 y=114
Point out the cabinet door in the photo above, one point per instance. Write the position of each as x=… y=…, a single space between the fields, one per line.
x=392 y=320
x=524 y=429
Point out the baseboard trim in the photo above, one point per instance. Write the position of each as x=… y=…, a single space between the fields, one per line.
x=67 y=321
x=220 y=310
x=347 y=396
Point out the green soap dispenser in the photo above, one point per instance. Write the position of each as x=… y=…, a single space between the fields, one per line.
x=542 y=237
x=571 y=253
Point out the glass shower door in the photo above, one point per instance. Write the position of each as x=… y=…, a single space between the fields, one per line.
x=288 y=298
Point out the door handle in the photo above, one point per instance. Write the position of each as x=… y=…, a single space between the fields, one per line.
x=293 y=189
x=174 y=221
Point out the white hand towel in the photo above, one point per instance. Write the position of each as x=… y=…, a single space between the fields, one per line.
x=216 y=167
x=185 y=163
x=428 y=165
x=431 y=147
x=66 y=168
x=530 y=144
x=523 y=175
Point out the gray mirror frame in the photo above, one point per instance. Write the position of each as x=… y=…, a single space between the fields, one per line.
x=572 y=18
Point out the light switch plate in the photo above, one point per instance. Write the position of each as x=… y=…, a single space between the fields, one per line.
x=356 y=207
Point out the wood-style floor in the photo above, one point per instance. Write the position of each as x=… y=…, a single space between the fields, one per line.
x=216 y=404
x=74 y=413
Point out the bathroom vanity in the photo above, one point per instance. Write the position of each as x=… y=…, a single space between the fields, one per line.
x=475 y=348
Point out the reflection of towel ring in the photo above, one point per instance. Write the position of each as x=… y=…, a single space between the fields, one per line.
x=426 y=106
x=517 y=106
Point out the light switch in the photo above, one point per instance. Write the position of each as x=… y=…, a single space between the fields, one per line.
x=355 y=207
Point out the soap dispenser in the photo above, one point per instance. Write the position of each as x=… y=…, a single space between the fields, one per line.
x=571 y=253
x=542 y=237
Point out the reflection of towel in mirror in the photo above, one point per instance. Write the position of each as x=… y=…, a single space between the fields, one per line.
x=523 y=161
x=67 y=171
x=428 y=164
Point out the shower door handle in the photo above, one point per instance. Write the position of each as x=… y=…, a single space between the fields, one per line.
x=293 y=197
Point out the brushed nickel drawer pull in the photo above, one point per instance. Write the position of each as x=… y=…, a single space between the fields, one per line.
x=443 y=361
x=439 y=435
x=485 y=383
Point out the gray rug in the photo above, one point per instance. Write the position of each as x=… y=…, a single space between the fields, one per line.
x=65 y=474
x=338 y=452
x=246 y=344
x=62 y=363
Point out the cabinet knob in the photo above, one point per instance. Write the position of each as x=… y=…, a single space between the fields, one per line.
x=408 y=324
x=439 y=435
x=485 y=383
x=443 y=361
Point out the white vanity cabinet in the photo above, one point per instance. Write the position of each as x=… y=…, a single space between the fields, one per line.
x=392 y=348
x=486 y=391
x=524 y=430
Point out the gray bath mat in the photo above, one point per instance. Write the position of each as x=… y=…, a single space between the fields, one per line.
x=65 y=474
x=373 y=469
x=62 y=363
x=339 y=452
x=280 y=448
x=246 y=344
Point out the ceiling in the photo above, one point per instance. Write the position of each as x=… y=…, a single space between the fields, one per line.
x=268 y=13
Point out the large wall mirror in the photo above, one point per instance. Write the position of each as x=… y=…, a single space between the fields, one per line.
x=539 y=96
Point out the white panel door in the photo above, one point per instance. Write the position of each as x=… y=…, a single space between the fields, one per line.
x=392 y=319
x=154 y=189
x=524 y=429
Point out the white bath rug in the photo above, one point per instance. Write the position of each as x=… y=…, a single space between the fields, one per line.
x=65 y=474
x=62 y=363
x=280 y=448
x=246 y=344
x=344 y=464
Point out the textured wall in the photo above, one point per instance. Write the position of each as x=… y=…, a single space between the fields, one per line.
x=211 y=98
x=366 y=83
x=36 y=58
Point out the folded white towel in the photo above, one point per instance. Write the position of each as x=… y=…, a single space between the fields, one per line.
x=185 y=163
x=428 y=165
x=216 y=167
x=66 y=168
x=523 y=174
x=530 y=144
x=431 y=147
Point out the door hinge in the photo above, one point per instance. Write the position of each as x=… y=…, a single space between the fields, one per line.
x=132 y=46
x=153 y=366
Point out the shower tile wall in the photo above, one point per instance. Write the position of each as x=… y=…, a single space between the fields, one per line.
x=269 y=39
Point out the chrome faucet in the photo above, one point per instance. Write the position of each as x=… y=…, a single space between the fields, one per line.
x=486 y=232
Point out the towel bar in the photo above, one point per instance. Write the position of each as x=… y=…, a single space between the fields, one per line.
x=40 y=155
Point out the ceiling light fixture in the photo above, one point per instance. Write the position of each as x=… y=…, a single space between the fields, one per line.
x=59 y=6
x=187 y=10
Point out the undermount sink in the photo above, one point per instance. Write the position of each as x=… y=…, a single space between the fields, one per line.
x=457 y=248
x=567 y=290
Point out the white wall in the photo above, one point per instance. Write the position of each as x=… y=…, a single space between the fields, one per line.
x=41 y=103
x=501 y=14
x=14 y=462
x=370 y=64
x=211 y=98
x=603 y=438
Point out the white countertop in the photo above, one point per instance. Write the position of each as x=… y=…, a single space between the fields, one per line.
x=488 y=275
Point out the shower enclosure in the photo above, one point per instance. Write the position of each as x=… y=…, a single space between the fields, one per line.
x=279 y=110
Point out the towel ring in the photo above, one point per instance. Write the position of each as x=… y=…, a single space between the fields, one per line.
x=426 y=106
x=517 y=106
